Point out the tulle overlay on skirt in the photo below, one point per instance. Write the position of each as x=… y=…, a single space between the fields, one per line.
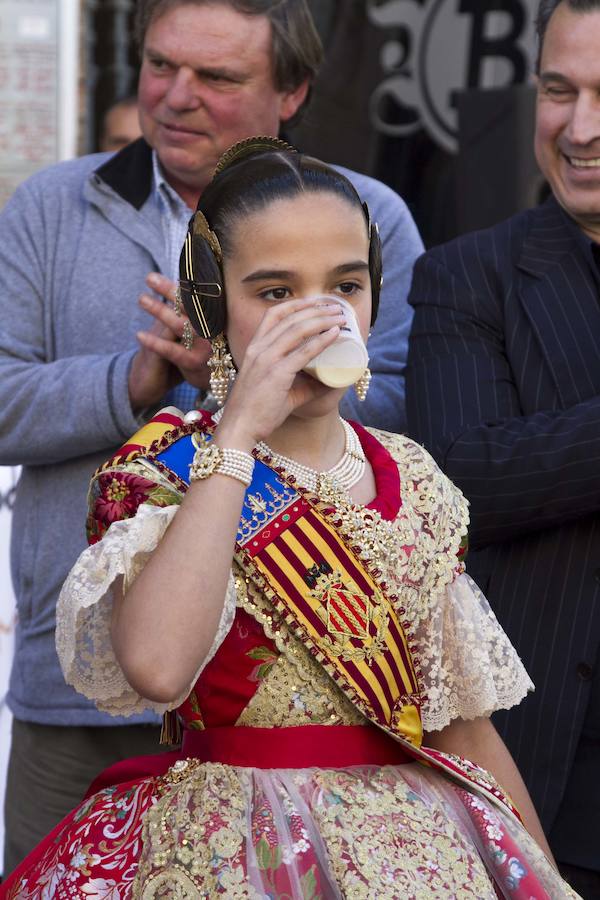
x=208 y=829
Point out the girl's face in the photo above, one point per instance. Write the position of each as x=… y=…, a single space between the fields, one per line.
x=309 y=245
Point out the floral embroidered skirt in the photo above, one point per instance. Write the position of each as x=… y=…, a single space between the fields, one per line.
x=209 y=830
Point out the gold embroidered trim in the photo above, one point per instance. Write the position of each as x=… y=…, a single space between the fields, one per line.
x=296 y=690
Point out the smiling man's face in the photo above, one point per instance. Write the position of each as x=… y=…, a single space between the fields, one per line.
x=567 y=139
x=206 y=82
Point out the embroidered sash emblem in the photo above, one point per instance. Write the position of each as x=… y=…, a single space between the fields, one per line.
x=348 y=615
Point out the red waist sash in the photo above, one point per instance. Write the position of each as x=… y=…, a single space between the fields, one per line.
x=301 y=747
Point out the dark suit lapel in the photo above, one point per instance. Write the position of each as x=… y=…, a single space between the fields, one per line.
x=560 y=298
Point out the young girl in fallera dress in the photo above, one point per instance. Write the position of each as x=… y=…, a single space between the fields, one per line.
x=289 y=590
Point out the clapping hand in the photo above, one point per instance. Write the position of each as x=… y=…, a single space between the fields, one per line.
x=162 y=361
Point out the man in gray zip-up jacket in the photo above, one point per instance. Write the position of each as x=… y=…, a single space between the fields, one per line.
x=77 y=242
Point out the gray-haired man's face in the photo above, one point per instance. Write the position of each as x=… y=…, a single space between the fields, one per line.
x=206 y=82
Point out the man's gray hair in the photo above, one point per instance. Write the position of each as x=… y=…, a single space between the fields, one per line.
x=544 y=14
x=297 y=49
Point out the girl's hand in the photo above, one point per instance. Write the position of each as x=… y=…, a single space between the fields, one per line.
x=268 y=387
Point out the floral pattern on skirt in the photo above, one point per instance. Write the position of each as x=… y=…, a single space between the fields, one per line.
x=208 y=830
x=93 y=853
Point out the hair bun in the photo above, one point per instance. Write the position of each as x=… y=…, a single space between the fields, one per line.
x=259 y=144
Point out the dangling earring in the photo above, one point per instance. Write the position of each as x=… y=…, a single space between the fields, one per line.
x=178 y=302
x=361 y=387
x=187 y=338
x=222 y=369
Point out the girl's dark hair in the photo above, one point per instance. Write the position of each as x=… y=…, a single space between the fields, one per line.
x=248 y=179
x=545 y=11
x=253 y=182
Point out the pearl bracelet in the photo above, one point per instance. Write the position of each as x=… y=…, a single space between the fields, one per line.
x=237 y=464
x=211 y=459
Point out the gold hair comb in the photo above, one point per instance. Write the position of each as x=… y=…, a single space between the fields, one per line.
x=251 y=145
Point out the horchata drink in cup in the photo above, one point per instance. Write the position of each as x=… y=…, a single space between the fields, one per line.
x=343 y=362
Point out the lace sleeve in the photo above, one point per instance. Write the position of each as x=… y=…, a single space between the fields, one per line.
x=84 y=612
x=469 y=667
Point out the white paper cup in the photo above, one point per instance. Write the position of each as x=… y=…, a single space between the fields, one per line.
x=343 y=362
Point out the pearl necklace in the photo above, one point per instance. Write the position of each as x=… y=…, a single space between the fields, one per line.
x=344 y=475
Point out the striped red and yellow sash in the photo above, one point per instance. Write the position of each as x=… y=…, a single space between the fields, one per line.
x=290 y=548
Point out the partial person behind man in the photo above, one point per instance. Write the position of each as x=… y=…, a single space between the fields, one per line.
x=120 y=125
x=83 y=365
x=504 y=389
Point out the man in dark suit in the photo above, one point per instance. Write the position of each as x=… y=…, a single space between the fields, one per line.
x=503 y=387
